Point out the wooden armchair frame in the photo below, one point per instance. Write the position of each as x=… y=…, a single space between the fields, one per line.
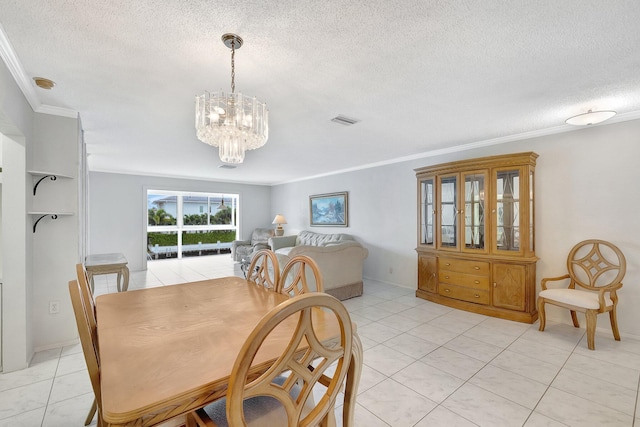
x=298 y=364
x=297 y=266
x=264 y=269
x=596 y=268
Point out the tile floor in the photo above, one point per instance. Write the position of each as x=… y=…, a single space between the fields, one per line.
x=424 y=365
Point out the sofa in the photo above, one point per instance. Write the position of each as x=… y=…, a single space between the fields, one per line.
x=246 y=248
x=339 y=257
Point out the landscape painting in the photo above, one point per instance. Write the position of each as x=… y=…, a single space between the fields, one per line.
x=329 y=209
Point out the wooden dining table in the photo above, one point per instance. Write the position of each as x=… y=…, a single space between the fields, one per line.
x=167 y=351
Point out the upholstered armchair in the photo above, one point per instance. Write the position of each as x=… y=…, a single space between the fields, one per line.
x=245 y=248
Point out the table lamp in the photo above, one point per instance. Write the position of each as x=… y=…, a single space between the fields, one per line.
x=279 y=219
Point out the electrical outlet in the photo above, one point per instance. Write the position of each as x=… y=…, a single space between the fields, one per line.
x=54 y=307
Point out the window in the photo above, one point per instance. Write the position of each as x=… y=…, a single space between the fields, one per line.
x=187 y=224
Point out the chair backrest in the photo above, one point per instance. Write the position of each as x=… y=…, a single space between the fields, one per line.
x=264 y=269
x=88 y=335
x=593 y=264
x=87 y=295
x=294 y=279
x=261 y=235
x=307 y=368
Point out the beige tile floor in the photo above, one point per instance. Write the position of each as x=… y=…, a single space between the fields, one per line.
x=424 y=365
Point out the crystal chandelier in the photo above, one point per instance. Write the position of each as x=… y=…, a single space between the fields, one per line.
x=231 y=121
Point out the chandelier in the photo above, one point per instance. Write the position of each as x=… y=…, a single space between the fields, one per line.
x=231 y=121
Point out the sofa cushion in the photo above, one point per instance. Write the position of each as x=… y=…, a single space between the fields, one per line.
x=309 y=238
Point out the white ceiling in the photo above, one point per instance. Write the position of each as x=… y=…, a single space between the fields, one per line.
x=420 y=75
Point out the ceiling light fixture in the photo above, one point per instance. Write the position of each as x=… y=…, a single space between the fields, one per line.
x=231 y=121
x=590 y=118
x=222 y=206
x=43 y=83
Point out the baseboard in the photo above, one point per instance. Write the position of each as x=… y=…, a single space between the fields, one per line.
x=390 y=283
x=55 y=345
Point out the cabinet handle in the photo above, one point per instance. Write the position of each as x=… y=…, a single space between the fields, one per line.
x=446 y=277
x=494 y=284
x=476 y=268
x=477 y=282
x=447 y=264
x=433 y=274
x=447 y=290
x=477 y=296
x=493 y=211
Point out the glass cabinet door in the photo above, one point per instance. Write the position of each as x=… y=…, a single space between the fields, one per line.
x=474 y=211
x=427 y=209
x=507 y=235
x=448 y=225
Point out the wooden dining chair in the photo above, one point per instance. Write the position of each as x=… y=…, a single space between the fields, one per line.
x=597 y=268
x=90 y=305
x=294 y=279
x=88 y=340
x=283 y=394
x=264 y=269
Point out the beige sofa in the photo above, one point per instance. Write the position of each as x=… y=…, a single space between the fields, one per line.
x=338 y=255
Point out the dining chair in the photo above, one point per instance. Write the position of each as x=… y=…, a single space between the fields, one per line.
x=90 y=305
x=88 y=340
x=597 y=267
x=264 y=269
x=294 y=279
x=283 y=395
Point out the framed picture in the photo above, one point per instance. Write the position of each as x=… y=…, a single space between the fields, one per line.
x=330 y=209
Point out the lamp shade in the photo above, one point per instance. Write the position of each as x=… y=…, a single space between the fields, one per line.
x=279 y=219
x=590 y=118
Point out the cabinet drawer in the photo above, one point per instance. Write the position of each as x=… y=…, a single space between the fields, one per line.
x=463 y=293
x=466 y=280
x=464 y=266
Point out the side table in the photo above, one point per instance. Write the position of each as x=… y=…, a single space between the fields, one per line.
x=108 y=264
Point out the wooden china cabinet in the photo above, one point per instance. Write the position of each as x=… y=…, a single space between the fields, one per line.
x=476 y=235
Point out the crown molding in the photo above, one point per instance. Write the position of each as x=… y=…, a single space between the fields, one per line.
x=618 y=118
x=8 y=55
x=57 y=111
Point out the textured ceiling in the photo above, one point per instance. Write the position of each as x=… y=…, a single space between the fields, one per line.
x=420 y=75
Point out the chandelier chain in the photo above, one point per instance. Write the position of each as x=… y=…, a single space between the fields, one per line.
x=233 y=66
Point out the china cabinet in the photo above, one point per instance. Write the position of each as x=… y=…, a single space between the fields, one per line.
x=476 y=235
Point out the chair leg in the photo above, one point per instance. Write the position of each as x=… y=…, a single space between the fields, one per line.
x=613 y=317
x=574 y=318
x=92 y=412
x=541 y=314
x=592 y=316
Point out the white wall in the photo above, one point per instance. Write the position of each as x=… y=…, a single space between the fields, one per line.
x=55 y=242
x=16 y=118
x=118 y=210
x=585 y=188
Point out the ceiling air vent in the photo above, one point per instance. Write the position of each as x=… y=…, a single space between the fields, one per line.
x=226 y=166
x=344 y=120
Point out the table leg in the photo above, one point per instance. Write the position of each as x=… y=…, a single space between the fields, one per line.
x=353 y=380
x=125 y=282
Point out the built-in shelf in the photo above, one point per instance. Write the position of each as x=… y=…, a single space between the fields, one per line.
x=44 y=175
x=40 y=215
